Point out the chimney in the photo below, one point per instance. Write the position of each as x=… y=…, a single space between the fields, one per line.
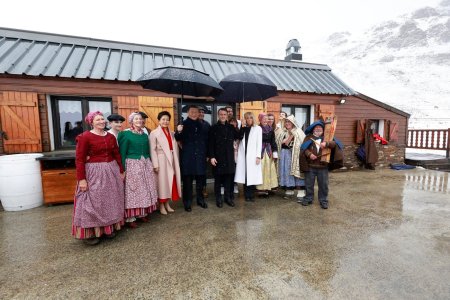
x=293 y=51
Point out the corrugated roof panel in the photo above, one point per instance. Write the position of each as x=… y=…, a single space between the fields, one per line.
x=113 y=65
x=187 y=61
x=331 y=88
x=301 y=86
x=177 y=60
x=137 y=68
x=292 y=86
x=330 y=85
x=267 y=71
x=100 y=64
x=325 y=88
x=70 y=68
x=217 y=69
x=17 y=55
x=8 y=54
x=208 y=68
x=61 y=56
x=33 y=53
x=6 y=48
x=198 y=64
x=125 y=66
x=27 y=59
x=159 y=60
x=43 y=59
x=310 y=87
x=149 y=62
x=290 y=79
x=282 y=81
x=87 y=64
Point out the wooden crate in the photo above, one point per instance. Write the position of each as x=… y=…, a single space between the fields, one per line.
x=59 y=185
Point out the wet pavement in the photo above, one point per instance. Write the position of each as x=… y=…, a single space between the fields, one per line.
x=386 y=235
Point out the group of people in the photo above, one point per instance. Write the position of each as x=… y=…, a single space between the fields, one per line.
x=124 y=175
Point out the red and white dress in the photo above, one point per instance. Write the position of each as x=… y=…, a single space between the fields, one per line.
x=99 y=209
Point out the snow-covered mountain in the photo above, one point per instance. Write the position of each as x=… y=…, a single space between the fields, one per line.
x=403 y=62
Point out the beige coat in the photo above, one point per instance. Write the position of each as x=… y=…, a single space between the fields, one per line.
x=167 y=161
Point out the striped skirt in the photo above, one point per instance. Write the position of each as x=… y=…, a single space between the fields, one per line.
x=99 y=210
x=284 y=169
x=141 y=194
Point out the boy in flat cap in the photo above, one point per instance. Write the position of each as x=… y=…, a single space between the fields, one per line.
x=145 y=117
x=115 y=121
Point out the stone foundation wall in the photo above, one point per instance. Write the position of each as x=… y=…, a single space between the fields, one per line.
x=387 y=154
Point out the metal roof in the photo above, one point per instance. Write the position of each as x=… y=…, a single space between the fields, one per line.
x=53 y=55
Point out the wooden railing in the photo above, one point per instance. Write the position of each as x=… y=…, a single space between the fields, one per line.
x=433 y=139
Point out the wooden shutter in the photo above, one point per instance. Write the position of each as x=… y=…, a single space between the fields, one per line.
x=19 y=115
x=125 y=106
x=153 y=105
x=360 y=131
x=393 y=131
x=274 y=108
x=256 y=107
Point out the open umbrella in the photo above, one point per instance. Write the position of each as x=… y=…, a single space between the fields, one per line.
x=180 y=80
x=244 y=86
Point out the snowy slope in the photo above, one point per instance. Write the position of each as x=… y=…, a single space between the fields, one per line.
x=403 y=62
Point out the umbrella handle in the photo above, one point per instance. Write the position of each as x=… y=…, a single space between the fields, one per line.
x=180 y=119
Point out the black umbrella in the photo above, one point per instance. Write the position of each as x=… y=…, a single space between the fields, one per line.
x=182 y=81
x=246 y=87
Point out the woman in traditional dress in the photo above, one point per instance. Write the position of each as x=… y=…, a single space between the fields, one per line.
x=248 y=167
x=99 y=199
x=140 y=180
x=166 y=163
x=269 y=154
x=271 y=121
x=289 y=142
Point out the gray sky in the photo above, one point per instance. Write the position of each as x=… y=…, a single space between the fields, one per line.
x=254 y=28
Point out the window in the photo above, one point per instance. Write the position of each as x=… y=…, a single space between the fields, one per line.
x=68 y=117
x=377 y=126
x=301 y=114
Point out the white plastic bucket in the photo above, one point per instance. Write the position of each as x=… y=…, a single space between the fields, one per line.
x=20 y=181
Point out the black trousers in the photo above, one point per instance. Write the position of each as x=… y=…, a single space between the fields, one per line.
x=188 y=181
x=249 y=191
x=222 y=180
x=232 y=187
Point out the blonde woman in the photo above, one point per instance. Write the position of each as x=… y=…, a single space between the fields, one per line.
x=248 y=167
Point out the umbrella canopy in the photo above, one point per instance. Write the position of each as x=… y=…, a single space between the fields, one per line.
x=180 y=80
x=246 y=86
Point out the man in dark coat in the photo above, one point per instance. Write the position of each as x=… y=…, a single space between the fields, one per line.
x=221 y=151
x=193 y=142
x=206 y=126
x=312 y=166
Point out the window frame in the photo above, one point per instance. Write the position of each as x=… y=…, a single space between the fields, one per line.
x=54 y=101
x=292 y=108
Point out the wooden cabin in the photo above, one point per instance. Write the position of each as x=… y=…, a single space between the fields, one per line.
x=48 y=83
